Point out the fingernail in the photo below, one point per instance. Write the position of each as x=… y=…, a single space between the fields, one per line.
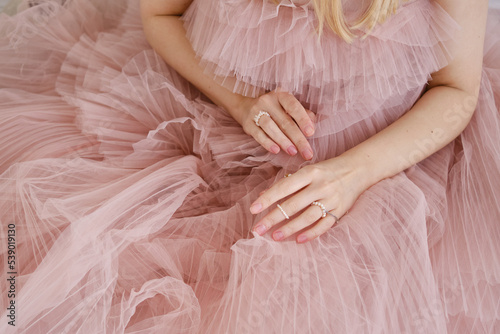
x=275 y=149
x=309 y=130
x=302 y=238
x=292 y=150
x=255 y=208
x=278 y=235
x=261 y=229
x=307 y=154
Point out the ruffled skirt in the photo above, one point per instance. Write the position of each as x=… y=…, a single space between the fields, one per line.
x=129 y=195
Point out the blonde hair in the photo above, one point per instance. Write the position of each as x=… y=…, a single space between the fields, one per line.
x=330 y=13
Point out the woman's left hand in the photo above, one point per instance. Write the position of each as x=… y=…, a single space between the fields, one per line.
x=335 y=183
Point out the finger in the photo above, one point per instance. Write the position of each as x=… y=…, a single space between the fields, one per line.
x=309 y=217
x=290 y=207
x=292 y=131
x=286 y=123
x=323 y=225
x=268 y=125
x=280 y=190
x=266 y=142
x=312 y=116
x=295 y=109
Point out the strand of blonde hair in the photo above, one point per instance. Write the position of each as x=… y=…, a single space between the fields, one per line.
x=331 y=15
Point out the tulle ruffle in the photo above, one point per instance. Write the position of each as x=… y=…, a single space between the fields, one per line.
x=132 y=208
x=240 y=43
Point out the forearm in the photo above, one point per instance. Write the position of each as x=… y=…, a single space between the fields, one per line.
x=167 y=36
x=438 y=117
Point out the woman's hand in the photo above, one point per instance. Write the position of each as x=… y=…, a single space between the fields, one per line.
x=336 y=183
x=288 y=122
x=285 y=128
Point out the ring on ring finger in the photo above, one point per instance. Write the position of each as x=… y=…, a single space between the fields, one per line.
x=324 y=211
x=259 y=115
x=322 y=207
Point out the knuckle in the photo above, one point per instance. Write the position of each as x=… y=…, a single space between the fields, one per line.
x=301 y=142
x=304 y=119
x=266 y=99
x=296 y=106
x=313 y=170
x=287 y=124
x=292 y=103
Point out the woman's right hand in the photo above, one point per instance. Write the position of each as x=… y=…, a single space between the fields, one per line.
x=288 y=122
x=286 y=127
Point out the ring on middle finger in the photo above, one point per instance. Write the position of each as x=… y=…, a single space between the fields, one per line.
x=322 y=207
x=259 y=115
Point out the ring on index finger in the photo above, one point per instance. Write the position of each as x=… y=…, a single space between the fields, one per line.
x=259 y=115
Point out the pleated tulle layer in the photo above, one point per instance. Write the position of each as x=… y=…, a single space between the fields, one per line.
x=130 y=190
x=278 y=46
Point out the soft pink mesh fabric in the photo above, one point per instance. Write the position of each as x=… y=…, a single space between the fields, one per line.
x=130 y=191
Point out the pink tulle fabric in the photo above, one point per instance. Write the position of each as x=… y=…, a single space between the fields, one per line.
x=130 y=190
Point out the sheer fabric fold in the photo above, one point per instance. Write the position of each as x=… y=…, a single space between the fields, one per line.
x=130 y=190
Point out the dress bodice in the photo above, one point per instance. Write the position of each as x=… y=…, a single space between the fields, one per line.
x=254 y=45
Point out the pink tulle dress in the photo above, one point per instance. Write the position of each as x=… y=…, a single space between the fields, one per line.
x=129 y=191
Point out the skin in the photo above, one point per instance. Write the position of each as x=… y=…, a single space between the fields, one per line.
x=339 y=181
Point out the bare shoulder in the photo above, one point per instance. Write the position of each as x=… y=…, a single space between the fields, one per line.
x=465 y=69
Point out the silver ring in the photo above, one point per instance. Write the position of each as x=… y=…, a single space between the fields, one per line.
x=282 y=211
x=259 y=115
x=335 y=217
x=322 y=207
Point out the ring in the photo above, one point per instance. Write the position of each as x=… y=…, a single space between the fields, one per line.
x=282 y=211
x=322 y=207
x=259 y=115
x=335 y=217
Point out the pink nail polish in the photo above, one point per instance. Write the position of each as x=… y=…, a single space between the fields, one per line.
x=275 y=149
x=309 y=130
x=301 y=238
x=292 y=150
x=260 y=229
x=278 y=235
x=307 y=154
x=255 y=208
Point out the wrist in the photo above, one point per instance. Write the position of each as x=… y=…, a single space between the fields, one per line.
x=363 y=166
x=238 y=106
x=233 y=104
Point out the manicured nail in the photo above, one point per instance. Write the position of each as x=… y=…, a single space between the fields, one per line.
x=292 y=150
x=261 y=229
x=307 y=154
x=278 y=235
x=309 y=130
x=301 y=238
x=255 y=208
x=275 y=149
